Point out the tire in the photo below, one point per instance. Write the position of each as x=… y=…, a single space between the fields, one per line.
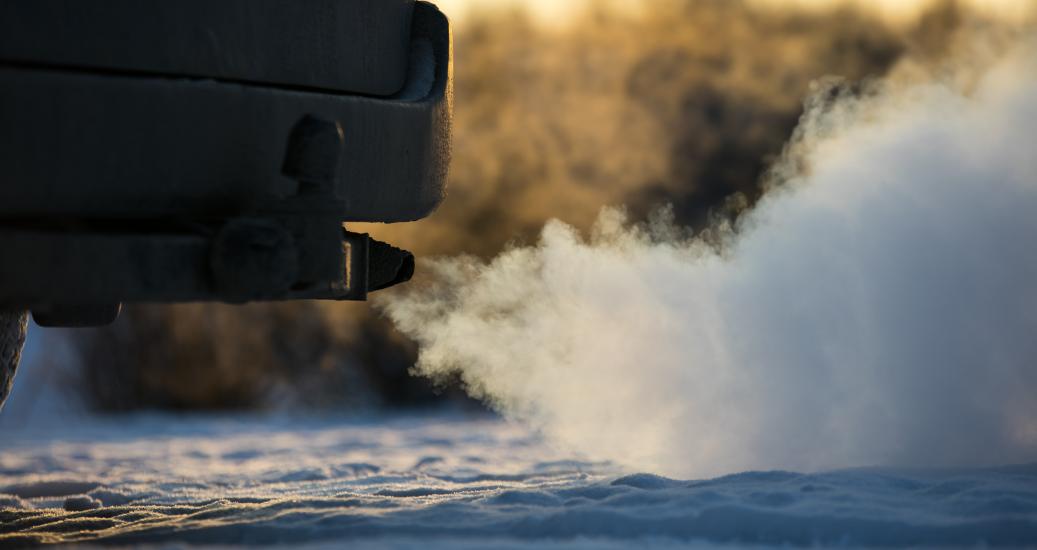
x=12 y=336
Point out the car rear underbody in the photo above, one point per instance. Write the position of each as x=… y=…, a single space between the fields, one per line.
x=211 y=151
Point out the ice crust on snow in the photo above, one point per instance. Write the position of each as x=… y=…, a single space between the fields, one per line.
x=456 y=480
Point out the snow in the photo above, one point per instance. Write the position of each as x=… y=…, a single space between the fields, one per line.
x=453 y=480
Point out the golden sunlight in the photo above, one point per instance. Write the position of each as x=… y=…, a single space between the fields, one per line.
x=556 y=12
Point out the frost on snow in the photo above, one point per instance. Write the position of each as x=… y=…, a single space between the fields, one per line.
x=455 y=480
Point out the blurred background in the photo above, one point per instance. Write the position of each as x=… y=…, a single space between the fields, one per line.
x=560 y=108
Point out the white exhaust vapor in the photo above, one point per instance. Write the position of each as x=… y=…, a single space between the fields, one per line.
x=877 y=307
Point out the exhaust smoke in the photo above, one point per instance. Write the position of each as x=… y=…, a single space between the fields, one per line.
x=877 y=306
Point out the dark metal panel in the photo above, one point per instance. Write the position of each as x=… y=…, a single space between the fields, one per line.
x=107 y=146
x=358 y=46
x=103 y=268
x=58 y=271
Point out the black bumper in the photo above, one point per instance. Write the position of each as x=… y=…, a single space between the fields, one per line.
x=120 y=184
x=77 y=142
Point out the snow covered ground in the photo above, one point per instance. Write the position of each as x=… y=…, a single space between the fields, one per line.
x=446 y=479
x=453 y=480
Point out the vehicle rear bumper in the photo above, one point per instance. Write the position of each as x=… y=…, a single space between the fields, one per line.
x=141 y=188
x=86 y=144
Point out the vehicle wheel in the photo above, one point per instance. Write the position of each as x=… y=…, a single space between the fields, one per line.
x=12 y=336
